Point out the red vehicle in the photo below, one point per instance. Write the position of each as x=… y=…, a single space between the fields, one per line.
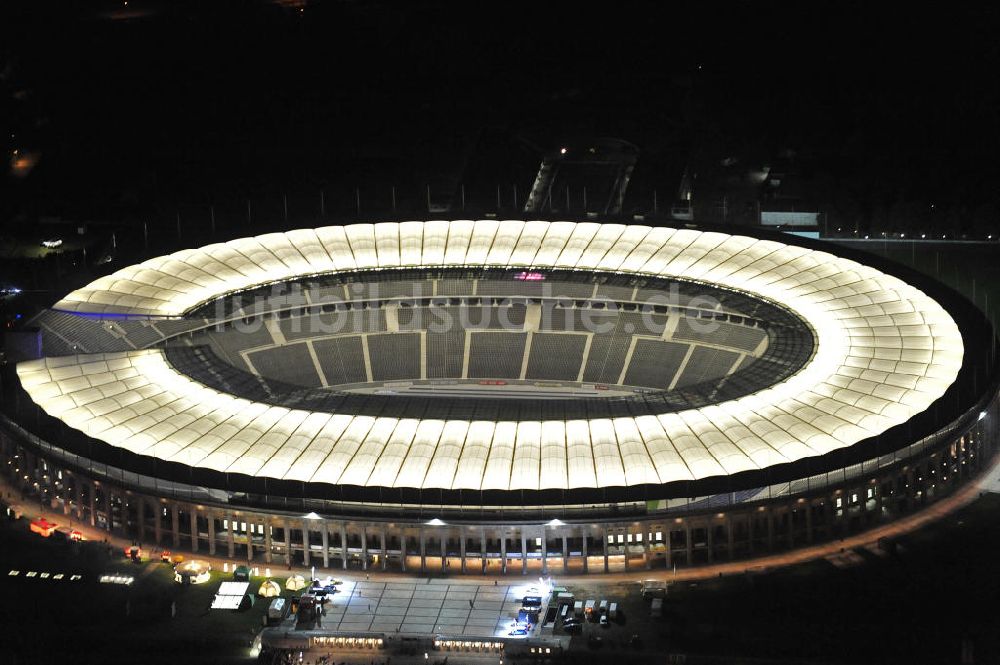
x=70 y=534
x=43 y=527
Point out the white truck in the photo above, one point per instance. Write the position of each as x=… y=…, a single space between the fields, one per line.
x=654 y=589
x=613 y=611
x=276 y=610
x=578 y=609
x=656 y=608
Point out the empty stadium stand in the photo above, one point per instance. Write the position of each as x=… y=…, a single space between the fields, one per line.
x=366 y=329
x=556 y=357
x=445 y=352
x=64 y=333
x=496 y=355
x=708 y=331
x=706 y=364
x=655 y=363
x=342 y=360
x=394 y=356
x=291 y=364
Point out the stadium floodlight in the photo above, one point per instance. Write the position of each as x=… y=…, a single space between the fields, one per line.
x=435 y=522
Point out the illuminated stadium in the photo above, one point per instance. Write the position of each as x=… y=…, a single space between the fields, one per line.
x=503 y=396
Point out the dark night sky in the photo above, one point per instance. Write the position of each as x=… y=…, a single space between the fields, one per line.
x=162 y=102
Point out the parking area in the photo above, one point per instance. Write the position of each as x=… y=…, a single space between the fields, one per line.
x=630 y=628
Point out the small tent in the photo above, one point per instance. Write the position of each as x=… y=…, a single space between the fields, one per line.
x=270 y=589
x=295 y=582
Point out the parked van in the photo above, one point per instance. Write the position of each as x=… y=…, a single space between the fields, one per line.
x=654 y=589
x=578 y=609
x=613 y=611
x=564 y=612
x=588 y=610
x=603 y=607
x=276 y=610
x=531 y=602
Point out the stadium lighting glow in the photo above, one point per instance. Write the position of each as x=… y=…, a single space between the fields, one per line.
x=196 y=571
x=884 y=352
x=435 y=522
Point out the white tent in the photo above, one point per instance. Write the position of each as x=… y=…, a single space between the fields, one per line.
x=269 y=589
x=295 y=582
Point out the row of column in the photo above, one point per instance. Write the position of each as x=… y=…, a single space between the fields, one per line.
x=736 y=533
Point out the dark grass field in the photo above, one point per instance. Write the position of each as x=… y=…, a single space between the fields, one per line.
x=49 y=621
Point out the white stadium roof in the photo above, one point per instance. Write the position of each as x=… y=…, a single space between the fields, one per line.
x=885 y=351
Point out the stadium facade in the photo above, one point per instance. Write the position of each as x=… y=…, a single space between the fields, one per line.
x=502 y=396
